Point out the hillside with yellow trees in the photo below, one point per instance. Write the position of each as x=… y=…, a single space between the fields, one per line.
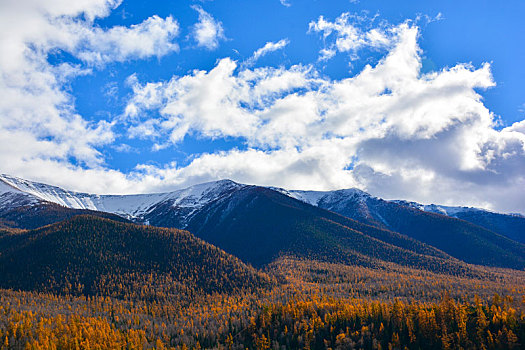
x=93 y=283
x=293 y=315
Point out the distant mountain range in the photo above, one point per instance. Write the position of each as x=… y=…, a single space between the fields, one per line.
x=16 y=192
x=363 y=207
x=258 y=224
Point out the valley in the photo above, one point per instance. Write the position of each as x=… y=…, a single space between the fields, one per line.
x=226 y=265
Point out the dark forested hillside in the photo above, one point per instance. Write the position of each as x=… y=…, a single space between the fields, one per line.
x=511 y=226
x=258 y=225
x=31 y=216
x=90 y=255
x=459 y=238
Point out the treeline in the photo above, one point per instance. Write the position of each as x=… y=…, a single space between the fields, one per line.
x=276 y=320
x=322 y=323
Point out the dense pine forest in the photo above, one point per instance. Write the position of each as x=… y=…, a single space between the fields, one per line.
x=94 y=283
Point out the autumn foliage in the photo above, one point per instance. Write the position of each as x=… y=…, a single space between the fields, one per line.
x=92 y=283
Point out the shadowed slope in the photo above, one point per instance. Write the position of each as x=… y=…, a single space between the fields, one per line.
x=461 y=239
x=45 y=213
x=258 y=225
x=90 y=255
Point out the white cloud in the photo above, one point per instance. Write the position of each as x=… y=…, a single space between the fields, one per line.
x=350 y=37
x=267 y=48
x=326 y=53
x=285 y=3
x=390 y=129
x=216 y=103
x=40 y=132
x=153 y=37
x=516 y=127
x=208 y=31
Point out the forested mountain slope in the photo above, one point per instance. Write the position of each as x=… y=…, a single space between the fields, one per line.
x=91 y=255
x=459 y=238
x=267 y=228
x=258 y=224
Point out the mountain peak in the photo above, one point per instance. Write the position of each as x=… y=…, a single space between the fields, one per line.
x=199 y=194
x=214 y=184
x=130 y=206
x=315 y=197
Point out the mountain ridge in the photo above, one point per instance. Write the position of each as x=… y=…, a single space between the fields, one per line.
x=83 y=200
x=193 y=207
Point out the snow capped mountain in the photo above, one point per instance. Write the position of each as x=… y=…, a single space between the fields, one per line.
x=397 y=214
x=13 y=190
x=440 y=209
x=317 y=197
x=336 y=199
x=352 y=203
x=11 y=196
x=17 y=192
x=176 y=208
x=122 y=205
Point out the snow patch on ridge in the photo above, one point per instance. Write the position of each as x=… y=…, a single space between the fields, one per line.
x=316 y=197
x=440 y=209
x=15 y=192
x=129 y=206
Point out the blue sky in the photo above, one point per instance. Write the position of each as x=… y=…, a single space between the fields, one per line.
x=417 y=100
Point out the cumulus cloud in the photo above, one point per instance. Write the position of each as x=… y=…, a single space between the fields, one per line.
x=38 y=123
x=208 y=31
x=266 y=49
x=390 y=129
x=153 y=37
x=516 y=127
x=350 y=37
x=220 y=103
